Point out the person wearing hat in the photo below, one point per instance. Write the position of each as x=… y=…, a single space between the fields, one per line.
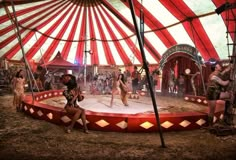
x=72 y=95
x=215 y=83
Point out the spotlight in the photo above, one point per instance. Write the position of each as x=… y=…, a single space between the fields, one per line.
x=212 y=61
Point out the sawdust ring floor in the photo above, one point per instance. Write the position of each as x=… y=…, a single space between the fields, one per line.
x=173 y=113
x=101 y=103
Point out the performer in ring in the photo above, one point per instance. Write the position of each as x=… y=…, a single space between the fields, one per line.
x=72 y=95
x=215 y=84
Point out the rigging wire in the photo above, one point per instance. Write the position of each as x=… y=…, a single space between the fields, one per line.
x=198 y=63
x=134 y=48
x=11 y=19
x=41 y=53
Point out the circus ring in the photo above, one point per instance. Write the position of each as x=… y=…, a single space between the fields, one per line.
x=121 y=122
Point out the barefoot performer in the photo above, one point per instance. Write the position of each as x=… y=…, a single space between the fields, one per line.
x=119 y=87
x=73 y=94
x=18 y=89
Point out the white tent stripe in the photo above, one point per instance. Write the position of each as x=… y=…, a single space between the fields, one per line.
x=112 y=20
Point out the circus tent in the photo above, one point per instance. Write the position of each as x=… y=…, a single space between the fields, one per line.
x=59 y=63
x=101 y=32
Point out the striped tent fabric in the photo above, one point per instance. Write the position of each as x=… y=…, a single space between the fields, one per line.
x=102 y=32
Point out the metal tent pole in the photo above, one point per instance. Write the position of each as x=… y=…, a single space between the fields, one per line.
x=145 y=66
x=22 y=48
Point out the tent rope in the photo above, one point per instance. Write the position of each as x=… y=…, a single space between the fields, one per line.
x=16 y=27
x=41 y=53
x=11 y=19
x=198 y=64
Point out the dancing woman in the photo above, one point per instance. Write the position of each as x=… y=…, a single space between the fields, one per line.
x=72 y=94
x=119 y=87
x=18 y=89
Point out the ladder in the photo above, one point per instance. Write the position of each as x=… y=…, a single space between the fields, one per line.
x=231 y=105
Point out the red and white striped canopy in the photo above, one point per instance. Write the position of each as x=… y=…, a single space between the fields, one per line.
x=101 y=32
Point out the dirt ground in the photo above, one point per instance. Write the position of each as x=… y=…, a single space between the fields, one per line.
x=25 y=138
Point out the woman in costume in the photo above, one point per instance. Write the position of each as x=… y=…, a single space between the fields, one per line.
x=72 y=95
x=18 y=89
x=119 y=87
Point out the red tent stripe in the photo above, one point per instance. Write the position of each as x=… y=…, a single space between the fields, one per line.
x=136 y=51
x=5 y=18
x=43 y=25
x=117 y=44
x=22 y=22
x=93 y=44
x=180 y=13
x=52 y=48
x=67 y=47
x=25 y=39
x=118 y=15
x=155 y=54
x=154 y=24
x=42 y=39
x=228 y=14
x=80 y=47
x=109 y=57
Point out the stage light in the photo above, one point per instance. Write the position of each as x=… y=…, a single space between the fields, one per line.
x=212 y=61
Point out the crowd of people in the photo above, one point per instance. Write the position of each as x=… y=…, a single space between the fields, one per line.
x=118 y=83
x=102 y=83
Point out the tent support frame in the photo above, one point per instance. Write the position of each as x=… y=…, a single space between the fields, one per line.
x=145 y=66
x=27 y=68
